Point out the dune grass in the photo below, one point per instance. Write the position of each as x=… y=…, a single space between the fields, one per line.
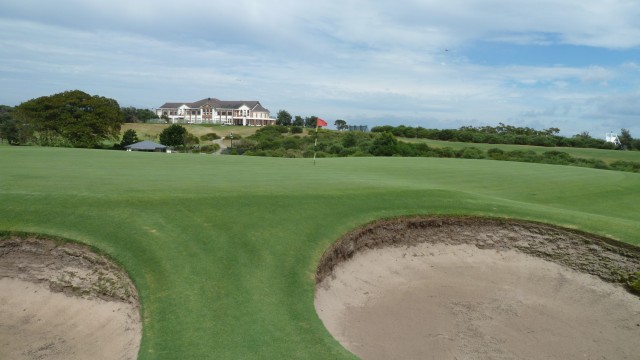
x=223 y=249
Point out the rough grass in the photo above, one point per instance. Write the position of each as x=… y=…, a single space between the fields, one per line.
x=223 y=249
x=152 y=131
x=608 y=156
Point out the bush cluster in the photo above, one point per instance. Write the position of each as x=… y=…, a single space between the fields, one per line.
x=276 y=141
x=209 y=137
x=502 y=134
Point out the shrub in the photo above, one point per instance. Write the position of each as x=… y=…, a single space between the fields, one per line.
x=292 y=153
x=446 y=152
x=384 y=145
x=290 y=143
x=210 y=137
x=626 y=166
x=360 y=153
x=129 y=137
x=557 y=157
x=210 y=149
x=421 y=149
x=471 y=153
x=296 y=129
x=590 y=163
x=347 y=152
x=521 y=155
x=349 y=140
x=335 y=149
x=190 y=140
x=279 y=152
x=405 y=149
x=173 y=135
x=281 y=129
x=495 y=154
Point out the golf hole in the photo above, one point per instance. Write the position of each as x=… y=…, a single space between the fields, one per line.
x=63 y=301
x=446 y=288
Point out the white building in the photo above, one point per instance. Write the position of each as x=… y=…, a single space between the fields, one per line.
x=612 y=137
x=214 y=111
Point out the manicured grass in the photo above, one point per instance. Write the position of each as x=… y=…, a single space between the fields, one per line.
x=223 y=249
x=608 y=156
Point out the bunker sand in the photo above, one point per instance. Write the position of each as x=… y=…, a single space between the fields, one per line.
x=460 y=288
x=62 y=301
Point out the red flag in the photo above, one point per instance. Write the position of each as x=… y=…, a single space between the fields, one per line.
x=321 y=122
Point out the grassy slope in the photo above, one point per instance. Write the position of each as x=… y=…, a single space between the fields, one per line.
x=223 y=249
x=607 y=156
x=152 y=131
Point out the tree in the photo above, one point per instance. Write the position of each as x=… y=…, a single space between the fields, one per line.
x=626 y=140
x=72 y=118
x=190 y=140
x=145 y=115
x=283 y=118
x=385 y=144
x=9 y=130
x=129 y=114
x=551 y=131
x=311 y=121
x=341 y=124
x=174 y=135
x=298 y=121
x=133 y=115
x=583 y=135
x=129 y=137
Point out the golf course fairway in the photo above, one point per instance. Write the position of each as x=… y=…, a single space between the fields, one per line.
x=223 y=250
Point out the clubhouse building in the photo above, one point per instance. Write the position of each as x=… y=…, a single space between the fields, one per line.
x=214 y=111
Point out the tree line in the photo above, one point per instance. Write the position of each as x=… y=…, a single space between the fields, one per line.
x=284 y=118
x=507 y=134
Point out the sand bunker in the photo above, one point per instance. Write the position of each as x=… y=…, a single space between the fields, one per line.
x=468 y=288
x=62 y=301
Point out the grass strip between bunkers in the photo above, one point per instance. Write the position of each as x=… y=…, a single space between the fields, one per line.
x=223 y=249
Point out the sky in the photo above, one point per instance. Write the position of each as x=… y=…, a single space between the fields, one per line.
x=571 y=64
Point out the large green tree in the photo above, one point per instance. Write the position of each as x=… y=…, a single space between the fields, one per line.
x=9 y=130
x=174 y=135
x=283 y=118
x=71 y=118
x=341 y=124
x=129 y=137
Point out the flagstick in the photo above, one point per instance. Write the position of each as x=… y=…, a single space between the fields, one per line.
x=315 y=145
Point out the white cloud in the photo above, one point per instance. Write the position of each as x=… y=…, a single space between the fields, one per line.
x=399 y=61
